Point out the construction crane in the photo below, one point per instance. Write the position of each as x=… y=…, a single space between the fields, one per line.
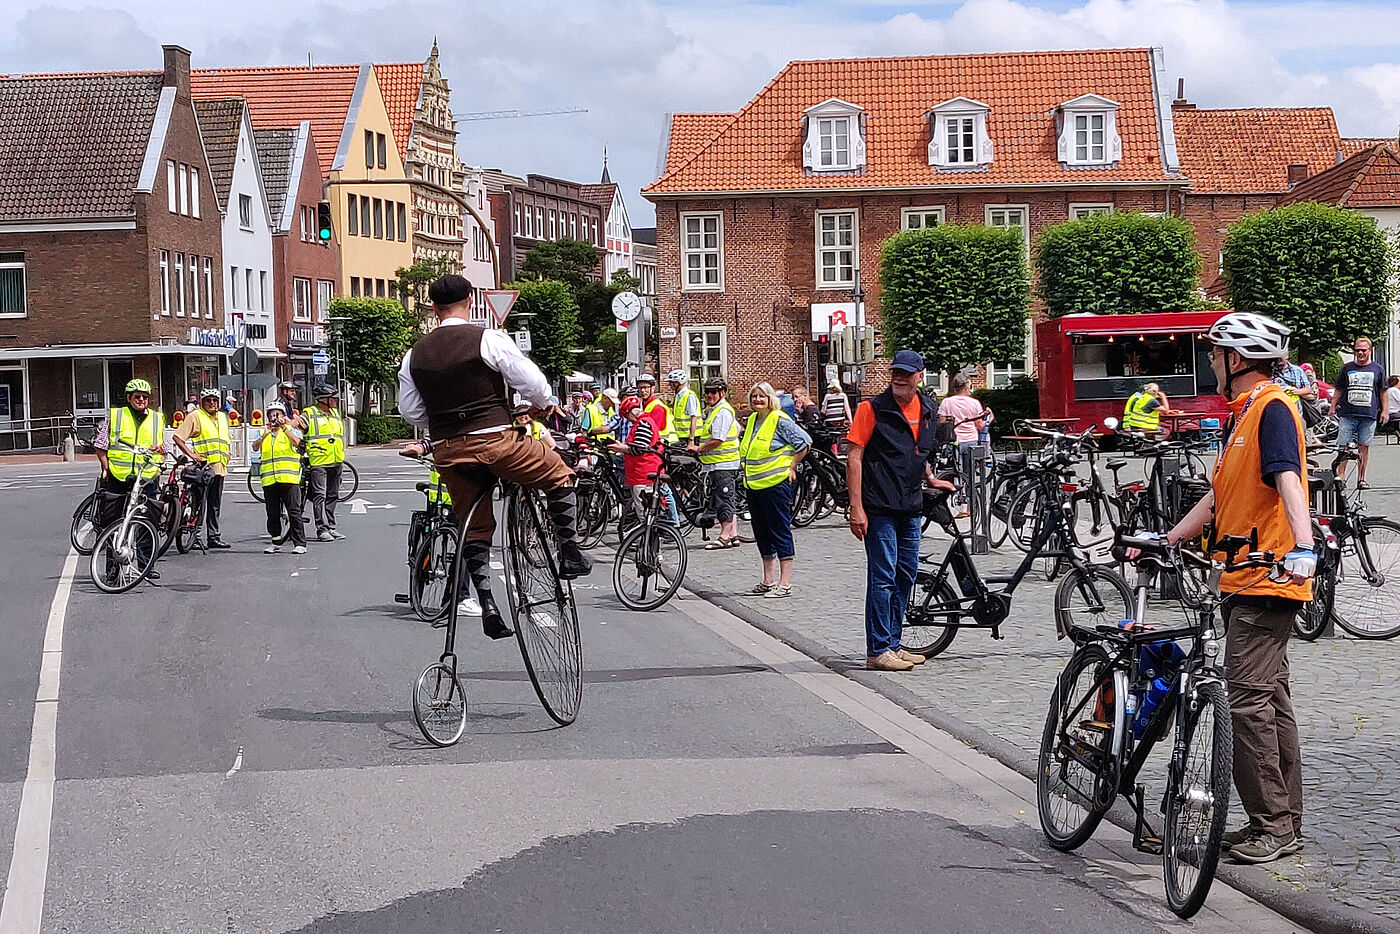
x=513 y=114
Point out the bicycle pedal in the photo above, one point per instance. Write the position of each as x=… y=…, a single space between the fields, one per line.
x=1099 y=725
x=1150 y=845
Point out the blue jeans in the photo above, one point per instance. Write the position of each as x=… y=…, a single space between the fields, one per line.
x=771 y=512
x=891 y=561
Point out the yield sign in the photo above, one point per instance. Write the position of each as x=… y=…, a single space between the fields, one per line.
x=500 y=301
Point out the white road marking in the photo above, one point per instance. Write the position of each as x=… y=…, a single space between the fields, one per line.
x=359 y=506
x=237 y=764
x=23 y=908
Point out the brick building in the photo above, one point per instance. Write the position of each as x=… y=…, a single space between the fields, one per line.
x=537 y=208
x=617 y=227
x=764 y=216
x=110 y=245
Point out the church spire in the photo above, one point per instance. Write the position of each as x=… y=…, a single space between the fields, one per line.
x=606 y=179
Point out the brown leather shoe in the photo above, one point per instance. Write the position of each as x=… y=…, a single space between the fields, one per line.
x=887 y=661
x=912 y=657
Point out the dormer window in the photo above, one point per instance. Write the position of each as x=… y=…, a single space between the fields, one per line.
x=834 y=137
x=1089 y=132
x=958 y=137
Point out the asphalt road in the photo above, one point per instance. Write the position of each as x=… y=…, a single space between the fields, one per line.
x=235 y=752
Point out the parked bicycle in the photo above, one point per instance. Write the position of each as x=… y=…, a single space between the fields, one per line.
x=432 y=550
x=124 y=552
x=651 y=560
x=1120 y=694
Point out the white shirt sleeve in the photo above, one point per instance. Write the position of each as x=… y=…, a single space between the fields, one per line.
x=519 y=371
x=411 y=405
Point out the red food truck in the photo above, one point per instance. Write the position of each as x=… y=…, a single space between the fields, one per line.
x=1088 y=365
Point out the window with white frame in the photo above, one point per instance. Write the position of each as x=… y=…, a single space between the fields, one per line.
x=1089 y=131
x=553 y=227
x=233 y=287
x=835 y=138
x=180 y=285
x=165 y=282
x=183 y=176
x=13 y=290
x=262 y=290
x=958 y=137
x=1001 y=373
x=194 y=192
x=325 y=291
x=539 y=222
x=702 y=252
x=248 y=289
x=920 y=218
x=1077 y=212
x=1011 y=217
x=192 y=268
x=518 y=228
x=706 y=352
x=170 y=187
x=836 y=249
x=245 y=212
x=301 y=299
x=208 y=287
x=573 y=226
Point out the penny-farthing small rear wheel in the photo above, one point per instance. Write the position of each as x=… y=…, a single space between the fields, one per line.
x=440 y=704
x=546 y=620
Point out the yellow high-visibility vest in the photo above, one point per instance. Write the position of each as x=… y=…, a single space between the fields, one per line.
x=212 y=443
x=597 y=418
x=727 y=453
x=125 y=436
x=325 y=437
x=281 y=461
x=1135 y=414
x=764 y=467
x=668 y=432
x=679 y=420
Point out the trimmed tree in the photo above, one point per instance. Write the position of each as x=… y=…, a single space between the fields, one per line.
x=1115 y=264
x=414 y=281
x=957 y=294
x=548 y=311
x=1323 y=271
x=376 y=333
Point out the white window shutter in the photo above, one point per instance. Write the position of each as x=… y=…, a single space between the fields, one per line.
x=935 y=140
x=1115 y=142
x=1066 y=140
x=858 y=142
x=985 y=155
x=809 y=129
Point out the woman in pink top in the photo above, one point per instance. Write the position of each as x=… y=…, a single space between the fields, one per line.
x=962 y=410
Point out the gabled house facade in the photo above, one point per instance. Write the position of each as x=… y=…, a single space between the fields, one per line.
x=249 y=286
x=766 y=216
x=305 y=271
x=109 y=270
x=617 y=227
x=535 y=209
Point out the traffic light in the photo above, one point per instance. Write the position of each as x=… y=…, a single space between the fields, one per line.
x=844 y=351
x=323 y=221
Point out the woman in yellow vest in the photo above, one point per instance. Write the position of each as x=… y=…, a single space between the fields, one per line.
x=325 y=455
x=279 y=450
x=204 y=437
x=527 y=421
x=770 y=450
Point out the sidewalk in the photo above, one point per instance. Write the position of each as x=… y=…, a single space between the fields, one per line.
x=992 y=694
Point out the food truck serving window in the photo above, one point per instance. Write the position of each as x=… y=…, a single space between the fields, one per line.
x=1115 y=366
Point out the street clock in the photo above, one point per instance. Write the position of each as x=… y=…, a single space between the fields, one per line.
x=626 y=306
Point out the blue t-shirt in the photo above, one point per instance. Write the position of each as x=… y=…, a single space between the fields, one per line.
x=1278 y=442
x=1359 y=390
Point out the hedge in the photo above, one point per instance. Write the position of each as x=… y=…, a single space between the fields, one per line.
x=1010 y=404
x=381 y=429
x=1117 y=264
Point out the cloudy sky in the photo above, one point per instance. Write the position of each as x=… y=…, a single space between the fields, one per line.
x=629 y=62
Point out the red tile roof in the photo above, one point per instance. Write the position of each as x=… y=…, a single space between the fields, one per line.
x=1351 y=145
x=760 y=147
x=1369 y=179
x=689 y=132
x=401 y=84
x=601 y=195
x=1249 y=150
x=285 y=96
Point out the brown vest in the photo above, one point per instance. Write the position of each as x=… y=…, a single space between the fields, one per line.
x=461 y=392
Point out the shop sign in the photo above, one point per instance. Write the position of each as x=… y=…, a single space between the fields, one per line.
x=211 y=337
x=830 y=317
x=307 y=335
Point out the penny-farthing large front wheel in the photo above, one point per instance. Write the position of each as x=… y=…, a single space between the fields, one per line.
x=546 y=620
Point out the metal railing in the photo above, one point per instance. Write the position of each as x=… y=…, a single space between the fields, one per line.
x=48 y=434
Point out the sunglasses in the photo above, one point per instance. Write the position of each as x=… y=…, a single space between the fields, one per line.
x=140 y=397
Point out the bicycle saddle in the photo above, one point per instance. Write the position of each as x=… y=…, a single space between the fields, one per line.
x=1117 y=464
x=665 y=477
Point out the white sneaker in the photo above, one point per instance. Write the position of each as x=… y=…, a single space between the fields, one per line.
x=272 y=549
x=299 y=550
x=469 y=607
x=337 y=535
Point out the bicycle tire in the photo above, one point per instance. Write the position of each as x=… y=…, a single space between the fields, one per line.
x=647 y=559
x=347 y=491
x=594 y=510
x=1067 y=828
x=191 y=522
x=1364 y=605
x=83 y=531
x=133 y=571
x=1024 y=516
x=255 y=489
x=998 y=512
x=1312 y=619
x=167 y=523
x=1094 y=587
x=806 y=498
x=1198 y=805
x=430 y=576
x=546 y=619
x=926 y=638
x=440 y=705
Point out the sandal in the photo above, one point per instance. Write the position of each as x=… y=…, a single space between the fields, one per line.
x=778 y=592
x=759 y=589
x=716 y=545
x=734 y=542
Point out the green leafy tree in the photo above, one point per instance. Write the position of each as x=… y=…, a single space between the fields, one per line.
x=548 y=311
x=566 y=261
x=414 y=281
x=375 y=333
x=958 y=294
x=1115 y=264
x=1323 y=271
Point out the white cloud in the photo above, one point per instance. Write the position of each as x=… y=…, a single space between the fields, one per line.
x=631 y=61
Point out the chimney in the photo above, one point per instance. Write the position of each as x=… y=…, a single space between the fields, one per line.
x=1297 y=172
x=1340 y=159
x=1181 y=103
x=177 y=70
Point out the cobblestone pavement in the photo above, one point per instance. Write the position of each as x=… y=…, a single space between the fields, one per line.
x=1343 y=691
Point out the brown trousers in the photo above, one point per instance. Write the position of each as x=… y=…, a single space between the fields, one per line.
x=472 y=463
x=1268 y=765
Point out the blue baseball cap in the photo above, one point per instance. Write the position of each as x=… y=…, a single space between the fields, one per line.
x=907 y=361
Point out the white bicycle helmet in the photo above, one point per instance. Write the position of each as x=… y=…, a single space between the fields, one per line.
x=1252 y=336
x=676 y=376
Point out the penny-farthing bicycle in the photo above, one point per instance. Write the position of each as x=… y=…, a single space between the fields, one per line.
x=542 y=613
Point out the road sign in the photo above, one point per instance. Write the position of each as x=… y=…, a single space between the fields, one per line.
x=500 y=301
x=321 y=358
x=320 y=369
x=830 y=372
x=522 y=340
x=257 y=382
x=244 y=360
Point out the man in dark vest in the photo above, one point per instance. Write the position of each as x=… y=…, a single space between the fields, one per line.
x=891 y=438
x=456 y=382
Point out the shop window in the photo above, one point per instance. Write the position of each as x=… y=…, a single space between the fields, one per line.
x=1114 y=366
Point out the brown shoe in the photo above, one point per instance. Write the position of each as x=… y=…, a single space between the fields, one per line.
x=887 y=661
x=911 y=657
